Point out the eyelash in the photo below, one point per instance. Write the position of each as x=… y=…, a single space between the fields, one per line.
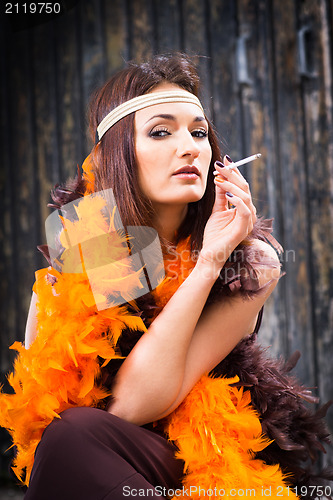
x=155 y=133
x=201 y=131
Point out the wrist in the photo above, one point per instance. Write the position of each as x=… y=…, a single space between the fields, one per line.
x=209 y=269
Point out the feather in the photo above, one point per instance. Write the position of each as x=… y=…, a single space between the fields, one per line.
x=244 y=425
x=221 y=454
x=62 y=368
x=296 y=432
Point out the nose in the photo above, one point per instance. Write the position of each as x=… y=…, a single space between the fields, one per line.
x=187 y=146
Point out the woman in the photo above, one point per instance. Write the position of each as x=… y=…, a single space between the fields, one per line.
x=167 y=423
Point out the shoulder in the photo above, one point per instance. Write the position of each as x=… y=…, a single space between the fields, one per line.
x=259 y=264
x=266 y=261
x=264 y=249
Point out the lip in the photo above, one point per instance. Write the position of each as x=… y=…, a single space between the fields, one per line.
x=188 y=170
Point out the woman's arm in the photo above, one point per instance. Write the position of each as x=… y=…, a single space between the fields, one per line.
x=182 y=344
x=31 y=326
x=222 y=325
x=152 y=375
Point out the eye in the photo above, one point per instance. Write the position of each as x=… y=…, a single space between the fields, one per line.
x=158 y=133
x=200 y=133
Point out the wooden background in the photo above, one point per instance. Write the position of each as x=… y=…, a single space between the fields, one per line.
x=266 y=67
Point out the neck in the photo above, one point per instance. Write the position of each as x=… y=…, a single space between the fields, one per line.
x=168 y=220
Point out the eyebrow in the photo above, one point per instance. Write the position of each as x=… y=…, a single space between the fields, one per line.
x=173 y=118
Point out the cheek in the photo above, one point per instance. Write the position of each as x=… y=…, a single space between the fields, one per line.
x=146 y=170
x=209 y=153
x=146 y=166
x=142 y=159
x=207 y=157
x=152 y=160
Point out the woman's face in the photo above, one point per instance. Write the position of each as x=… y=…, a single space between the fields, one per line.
x=172 y=151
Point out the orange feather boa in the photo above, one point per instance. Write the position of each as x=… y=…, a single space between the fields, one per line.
x=217 y=433
x=215 y=428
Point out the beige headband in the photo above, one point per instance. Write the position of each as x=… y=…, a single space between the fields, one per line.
x=144 y=101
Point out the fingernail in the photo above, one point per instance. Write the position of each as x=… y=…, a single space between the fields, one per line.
x=218 y=179
x=229 y=194
x=220 y=164
x=228 y=158
x=216 y=172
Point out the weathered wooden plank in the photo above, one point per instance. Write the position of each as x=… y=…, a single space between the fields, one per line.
x=70 y=116
x=318 y=114
x=168 y=25
x=222 y=32
x=248 y=79
x=24 y=213
x=259 y=135
x=257 y=95
x=253 y=75
x=195 y=26
x=91 y=44
x=9 y=298
x=293 y=195
x=8 y=283
x=116 y=35
x=46 y=115
x=141 y=30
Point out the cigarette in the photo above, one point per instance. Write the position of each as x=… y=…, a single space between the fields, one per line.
x=245 y=160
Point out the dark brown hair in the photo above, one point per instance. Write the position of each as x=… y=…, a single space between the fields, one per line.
x=114 y=156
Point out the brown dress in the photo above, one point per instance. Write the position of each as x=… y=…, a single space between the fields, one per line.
x=90 y=454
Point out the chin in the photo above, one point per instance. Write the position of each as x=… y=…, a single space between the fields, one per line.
x=182 y=197
x=193 y=199
x=190 y=195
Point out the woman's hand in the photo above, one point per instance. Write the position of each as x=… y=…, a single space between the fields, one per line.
x=227 y=227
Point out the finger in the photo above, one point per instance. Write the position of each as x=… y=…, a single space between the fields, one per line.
x=223 y=173
x=232 y=176
x=243 y=213
x=227 y=161
x=231 y=187
x=254 y=213
x=246 y=198
x=221 y=203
